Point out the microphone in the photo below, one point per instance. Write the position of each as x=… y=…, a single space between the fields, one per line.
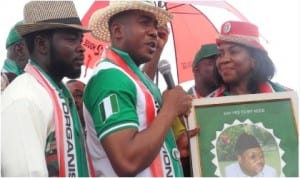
x=164 y=68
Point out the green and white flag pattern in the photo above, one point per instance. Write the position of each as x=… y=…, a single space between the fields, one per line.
x=109 y=106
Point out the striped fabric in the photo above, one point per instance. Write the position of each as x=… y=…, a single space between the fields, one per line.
x=108 y=106
x=267 y=87
x=72 y=156
x=135 y=107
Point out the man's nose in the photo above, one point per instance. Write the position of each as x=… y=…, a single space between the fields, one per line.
x=153 y=32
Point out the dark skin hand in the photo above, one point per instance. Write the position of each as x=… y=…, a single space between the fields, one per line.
x=150 y=69
x=122 y=147
x=129 y=150
x=183 y=143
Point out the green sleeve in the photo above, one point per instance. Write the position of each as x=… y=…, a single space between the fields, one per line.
x=100 y=87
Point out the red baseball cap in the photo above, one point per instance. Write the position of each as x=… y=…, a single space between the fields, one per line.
x=244 y=33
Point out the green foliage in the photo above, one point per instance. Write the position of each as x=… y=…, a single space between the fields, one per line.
x=227 y=140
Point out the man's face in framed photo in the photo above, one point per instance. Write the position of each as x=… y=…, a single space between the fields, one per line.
x=252 y=161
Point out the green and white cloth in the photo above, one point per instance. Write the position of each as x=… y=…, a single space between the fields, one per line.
x=28 y=119
x=114 y=100
x=11 y=67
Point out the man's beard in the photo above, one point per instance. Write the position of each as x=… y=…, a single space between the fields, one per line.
x=59 y=67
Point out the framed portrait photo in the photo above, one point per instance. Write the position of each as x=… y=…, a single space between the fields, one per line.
x=245 y=135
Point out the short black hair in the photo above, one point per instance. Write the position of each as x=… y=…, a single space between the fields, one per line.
x=244 y=142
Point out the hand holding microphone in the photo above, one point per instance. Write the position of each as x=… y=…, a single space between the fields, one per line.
x=175 y=98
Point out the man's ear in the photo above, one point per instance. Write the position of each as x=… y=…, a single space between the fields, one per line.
x=117 y=30
x=194 y=69
x=18 y=49
x=41 y=44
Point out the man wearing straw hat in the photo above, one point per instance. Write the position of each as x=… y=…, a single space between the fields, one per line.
x=128 y=121
x=41 y=131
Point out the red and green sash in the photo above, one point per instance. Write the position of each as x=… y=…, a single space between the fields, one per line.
x=266 y=87
x=70 y=143
x=156 y=166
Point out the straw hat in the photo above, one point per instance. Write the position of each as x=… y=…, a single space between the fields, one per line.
x=99 y=20
x=239 y=32
x=45 y=15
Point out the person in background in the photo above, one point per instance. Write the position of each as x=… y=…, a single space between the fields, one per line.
x=243 y=65
x=76 y=88
x=203 y=69
x=250 y=159
x=128 y=121
x=179 y=129
x=17 y=57
x=150 y=68
x=40 y=127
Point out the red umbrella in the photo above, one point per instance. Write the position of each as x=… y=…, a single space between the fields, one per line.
x=93 y=47
x=190 y=28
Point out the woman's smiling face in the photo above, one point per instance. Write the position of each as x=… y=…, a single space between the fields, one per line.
x=234 y=63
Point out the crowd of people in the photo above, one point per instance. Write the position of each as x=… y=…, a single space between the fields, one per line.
x=119 y=123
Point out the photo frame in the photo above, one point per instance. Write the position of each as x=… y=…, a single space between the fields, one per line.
x=272 y=118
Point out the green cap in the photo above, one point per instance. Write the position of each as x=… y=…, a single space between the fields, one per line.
x=205 y=51
x=13 y=36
